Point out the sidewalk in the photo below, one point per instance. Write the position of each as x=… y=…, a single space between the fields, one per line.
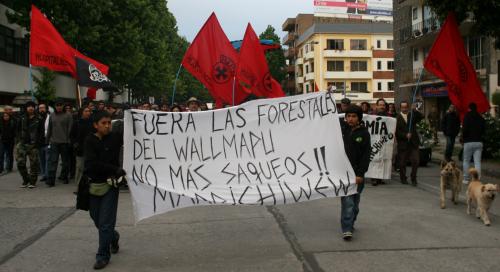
x=488 y=167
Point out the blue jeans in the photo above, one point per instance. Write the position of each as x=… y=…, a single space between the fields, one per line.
x=6 y=156
x=350 y=209
x=450 y=143
x=472 y=149
x=43 y=152
x=54 y=151
x=103 y=211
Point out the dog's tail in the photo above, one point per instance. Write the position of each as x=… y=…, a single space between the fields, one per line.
x=473 y=172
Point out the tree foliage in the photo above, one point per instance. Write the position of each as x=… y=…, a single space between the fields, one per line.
x=484 y=12
x=45 y=90
x=275 y=59
x=137 y=39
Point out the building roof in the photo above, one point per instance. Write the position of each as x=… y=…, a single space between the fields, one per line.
x=347 y=28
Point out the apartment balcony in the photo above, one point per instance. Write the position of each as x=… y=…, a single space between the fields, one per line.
x=290 y=53
x=309 y=55
x=299 y=61
x=420 y=29
x=288 y=25
x=347 y=53
x=348 y=75
x=412 y=76
x=310 y=76
x=289 y=38
x=299 y=80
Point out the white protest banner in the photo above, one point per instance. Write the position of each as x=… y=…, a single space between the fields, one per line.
x=382 y=131
x=264 y=152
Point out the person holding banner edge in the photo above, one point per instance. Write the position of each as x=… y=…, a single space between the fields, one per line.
x=101 y=165
x=357 y=146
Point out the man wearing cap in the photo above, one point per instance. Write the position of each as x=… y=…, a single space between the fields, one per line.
x=29 y=138
x=357 y=146
x=193 y=104
x=58 y=135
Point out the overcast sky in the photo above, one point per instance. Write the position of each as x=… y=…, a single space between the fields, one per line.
x=235 y=14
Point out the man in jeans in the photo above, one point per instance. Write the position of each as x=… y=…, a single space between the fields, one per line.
x=58 y=135
x=451 y=127
x=101 y=160
x=357 y=146
x=472 y=131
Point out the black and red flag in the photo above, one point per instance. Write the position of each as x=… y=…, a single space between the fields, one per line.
x=448 y=60
x=212 y=60
x=89 y=75
x=253 y=72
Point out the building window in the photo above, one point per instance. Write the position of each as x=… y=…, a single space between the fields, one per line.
x=312 y=67
x=379 y=86
x=339 y=85
x=335 y=66
x=358 y=44
x=307 y=69
x=390 y=86
x=414 y=12
x=390 y=44
x=415 y=54
x=390 y=65
x=335 y=44
x=359 y=87
x=359 y=66
x=379 y=44
x=307 y=48
x=379 y=65
x=498 y=72
x=12 y=49
x=307 y=88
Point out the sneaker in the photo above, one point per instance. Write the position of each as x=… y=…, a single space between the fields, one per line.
x=31 y=186
x=100 y=264
x=23 y=186
x=347 y=236
x=114 y=244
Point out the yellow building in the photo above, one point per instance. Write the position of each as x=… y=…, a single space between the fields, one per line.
x=355 y=57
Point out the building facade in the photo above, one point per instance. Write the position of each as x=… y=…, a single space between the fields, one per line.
x=354 y=56
x=415 y=30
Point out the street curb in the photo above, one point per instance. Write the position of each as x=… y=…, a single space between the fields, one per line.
x=485 y=171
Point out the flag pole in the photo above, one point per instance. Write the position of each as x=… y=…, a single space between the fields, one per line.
x=234 y=86
x=413 y=99
x=175 y=84
x=78 y=96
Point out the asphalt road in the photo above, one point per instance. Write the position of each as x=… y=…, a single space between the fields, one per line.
x=400 y=228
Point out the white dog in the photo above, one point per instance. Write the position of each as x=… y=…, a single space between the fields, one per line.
x=481 y=195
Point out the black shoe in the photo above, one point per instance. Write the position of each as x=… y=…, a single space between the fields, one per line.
x=374 y=183
x=404 y=182
x=414 y=183
x=43 y=179
x=114 y=244
x=50 y=185
x=100 y=264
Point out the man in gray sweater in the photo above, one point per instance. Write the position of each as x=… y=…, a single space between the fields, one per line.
x=58 y=137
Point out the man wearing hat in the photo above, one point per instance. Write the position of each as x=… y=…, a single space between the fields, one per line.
x=29 y=138
x=357 y=146
x=58 y=135
x=193 y=104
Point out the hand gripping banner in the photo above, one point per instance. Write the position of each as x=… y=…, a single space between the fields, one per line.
x=264 y=152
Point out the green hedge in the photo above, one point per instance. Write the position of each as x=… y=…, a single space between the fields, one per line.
x=492 y=138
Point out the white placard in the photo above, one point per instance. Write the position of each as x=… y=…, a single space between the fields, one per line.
x=264 y=152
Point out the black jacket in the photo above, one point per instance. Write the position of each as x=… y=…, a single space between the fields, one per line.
x=79 y=132
x=7 y=131
x=357 y=146
x=30 y=130
x=101 y=156
x=451 y=124
x=474 y=127
x=402 y=130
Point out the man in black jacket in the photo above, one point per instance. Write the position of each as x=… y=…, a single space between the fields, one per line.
x=7 y=140
x=472 y=137
x=101 y=156
x=79 y=132
x=451 y=127
x=357 y=146
x=408 y=141
x=30 y=137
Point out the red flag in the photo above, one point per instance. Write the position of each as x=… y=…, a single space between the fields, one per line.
x=48 y=48
x=212 y=60
x=253 y=72
x=91 y=93
x=448 y=60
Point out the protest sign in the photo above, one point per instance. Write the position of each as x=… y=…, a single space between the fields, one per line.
x=382 y=131
x=264 y=152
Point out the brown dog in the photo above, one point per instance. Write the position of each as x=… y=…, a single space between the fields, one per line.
x=481 y=195
x=451 y=178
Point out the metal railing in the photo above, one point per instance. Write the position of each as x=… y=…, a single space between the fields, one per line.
x=419 y=29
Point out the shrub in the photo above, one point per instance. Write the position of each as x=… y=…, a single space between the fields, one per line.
x=491 y=137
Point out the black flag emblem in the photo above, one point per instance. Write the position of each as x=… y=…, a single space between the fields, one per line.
x=90 y=76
